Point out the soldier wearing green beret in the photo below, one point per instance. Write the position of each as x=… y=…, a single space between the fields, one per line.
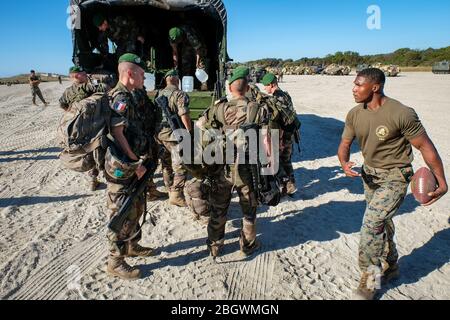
x=80 y=89
x=34 y=81
x=285 y=116
x=122 y=31
x=174 y=173
x=131 y=144
x=186 y=40
x=228 y=116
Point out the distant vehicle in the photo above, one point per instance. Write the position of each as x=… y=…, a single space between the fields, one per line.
x=389 y=70
x=362 y=67
x=312 y=70
x=257 y=73
x=442 y=67
x=337 y=70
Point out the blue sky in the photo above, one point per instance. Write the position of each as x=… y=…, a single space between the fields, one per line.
x=34 y=33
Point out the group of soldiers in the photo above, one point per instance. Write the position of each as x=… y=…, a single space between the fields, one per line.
x=139 y=130
x=189 y=50
x=386 y=131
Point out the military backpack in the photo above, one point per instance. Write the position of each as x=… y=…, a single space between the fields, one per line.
x=82 y=133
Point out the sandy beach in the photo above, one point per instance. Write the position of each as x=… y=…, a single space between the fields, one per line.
x=52 y=229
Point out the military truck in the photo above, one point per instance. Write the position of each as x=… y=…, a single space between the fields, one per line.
x=337 y=70
x=442 y=67
x=257 y=73
x=362 y=67
x=156 y=18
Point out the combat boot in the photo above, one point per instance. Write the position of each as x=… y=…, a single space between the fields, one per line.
x=204 y=87
x=291 y=188
x=154 y=194
x=366 y=289
x=117 y=267
x=94 y=184
x=248 y=242
x=135 y=250
x=215 y=247
x=176 y=198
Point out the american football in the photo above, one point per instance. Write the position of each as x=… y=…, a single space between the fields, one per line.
x=422 y=184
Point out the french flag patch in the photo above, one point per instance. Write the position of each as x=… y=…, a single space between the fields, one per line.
x=120 y=107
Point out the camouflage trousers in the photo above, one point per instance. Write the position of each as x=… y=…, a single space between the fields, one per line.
x=220 y=199
x=116 y=195
x=174 y=173
x=385 y=191
x=286 y=155
x=37 y=92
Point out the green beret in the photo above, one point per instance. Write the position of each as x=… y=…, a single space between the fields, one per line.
x=175 y=34
x=269 y=78
x=98 y=19
x=132 y=58
x=239 y=73
x=75 y=69
x=171 y=73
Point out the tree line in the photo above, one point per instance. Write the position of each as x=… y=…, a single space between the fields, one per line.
x=404 y=57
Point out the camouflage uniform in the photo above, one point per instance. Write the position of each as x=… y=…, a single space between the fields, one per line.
x=385 y=191
x=173 y=172
x=284 y=102
x=35 y=91
x=229 y=178
x=123 y=31
x=192 y=45
x=76 y=93
x=152 y=126
x=126 y=114
x=280 y=101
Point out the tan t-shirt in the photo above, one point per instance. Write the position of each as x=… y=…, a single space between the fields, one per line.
x=384 y=135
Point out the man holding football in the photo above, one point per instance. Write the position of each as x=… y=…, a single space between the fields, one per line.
x=386 y=131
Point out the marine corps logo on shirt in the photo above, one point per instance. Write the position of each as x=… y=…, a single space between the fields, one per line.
x=382 y=132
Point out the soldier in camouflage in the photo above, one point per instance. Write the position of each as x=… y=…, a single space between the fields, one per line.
x=230 y=115
x=174 y=173
x=34 y=81
x=186 y=41
x=385 y=130
x=132 y=144
x=285 y=116
x=153 y=120
x=122 y=31
x=80 y=89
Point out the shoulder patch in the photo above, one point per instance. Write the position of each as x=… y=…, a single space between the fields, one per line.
x=120 y=106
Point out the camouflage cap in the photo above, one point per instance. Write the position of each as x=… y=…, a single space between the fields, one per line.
x=175 y=34
x=171 y=73
x=75 y=69
x=239 y=73
x=98 y=19
x=132 y=58
x=269 y=78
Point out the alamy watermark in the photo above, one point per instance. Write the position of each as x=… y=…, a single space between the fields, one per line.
x=374 y=19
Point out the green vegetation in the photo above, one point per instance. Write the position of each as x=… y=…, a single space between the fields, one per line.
x=403 y=57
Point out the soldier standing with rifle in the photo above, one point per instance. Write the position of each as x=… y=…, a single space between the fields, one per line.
x=178 y=107
x=285 y=116
x=125 y=172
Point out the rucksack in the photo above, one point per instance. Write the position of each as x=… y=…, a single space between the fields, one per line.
x=268 y=187
x=82 y=133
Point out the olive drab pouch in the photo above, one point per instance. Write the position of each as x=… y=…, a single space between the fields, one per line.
x=82 y=133
x=118 y=168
